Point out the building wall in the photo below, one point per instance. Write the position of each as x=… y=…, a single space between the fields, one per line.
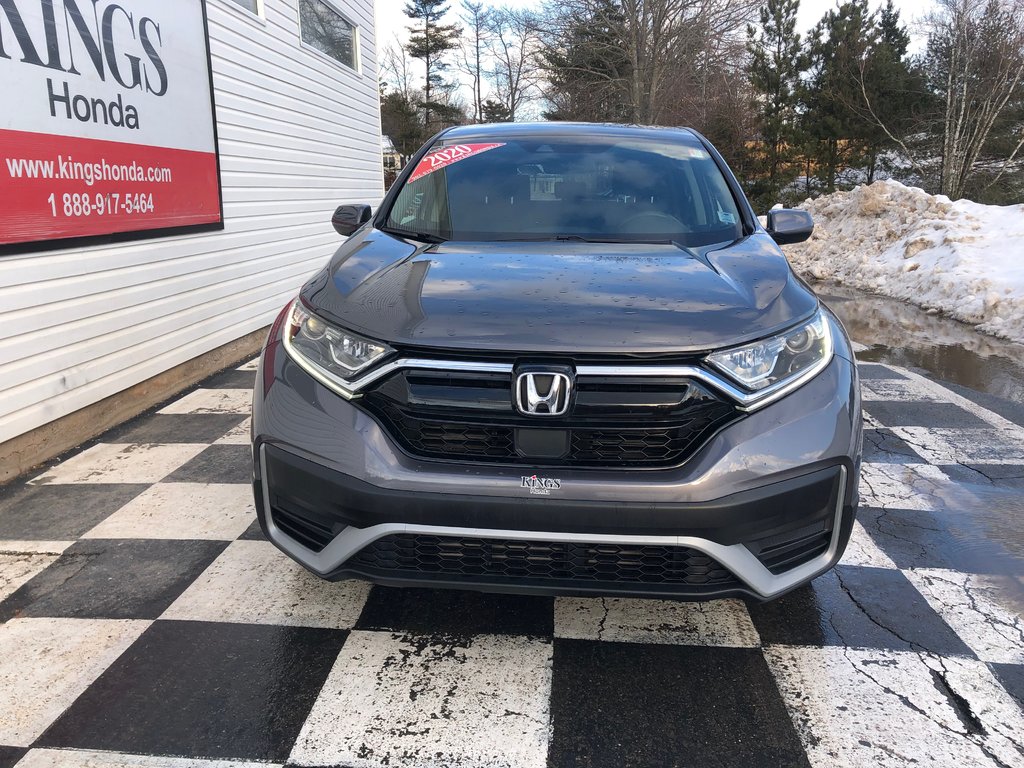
x=299 y=134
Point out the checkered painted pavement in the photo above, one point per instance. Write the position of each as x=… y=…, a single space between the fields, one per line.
x=145 y=622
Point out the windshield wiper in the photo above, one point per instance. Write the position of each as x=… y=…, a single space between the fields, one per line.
x=423 y=237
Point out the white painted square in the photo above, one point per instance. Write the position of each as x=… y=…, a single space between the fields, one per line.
x=405 y=701
x=73 y=758
x=212 y=401
x=982 y=610
x=626 y=620
x=948 y=445
x=252 y=582
x=863 y=551
x=16 y=568
x=854 y=708
x=905 y=486
x=217 y=511
x=858 y=347
x=870 y=422
x=238 y=435
x=899 y=390
x=21 y=561
x=251 y=365
x=118 y=463
x=34 y=547
x=47 y=663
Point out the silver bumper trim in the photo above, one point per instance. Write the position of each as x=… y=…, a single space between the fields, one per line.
x=735 y=557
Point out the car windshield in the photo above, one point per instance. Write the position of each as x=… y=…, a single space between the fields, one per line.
x=597 y=189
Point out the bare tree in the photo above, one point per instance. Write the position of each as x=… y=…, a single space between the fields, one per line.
x=975 y=62
x=515 y=43
x=658 y=48
x=396 y=70
x=473 y=55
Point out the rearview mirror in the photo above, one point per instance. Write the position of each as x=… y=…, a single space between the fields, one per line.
x=789 y=225
x=348 y=218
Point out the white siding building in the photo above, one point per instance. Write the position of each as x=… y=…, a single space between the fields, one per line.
x=299 y=134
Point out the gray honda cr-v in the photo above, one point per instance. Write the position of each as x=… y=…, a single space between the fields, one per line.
x=562 y=359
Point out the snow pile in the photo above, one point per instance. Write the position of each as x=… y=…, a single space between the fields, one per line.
x=962 y=258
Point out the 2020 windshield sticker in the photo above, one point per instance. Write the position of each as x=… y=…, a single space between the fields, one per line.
x=442 y=158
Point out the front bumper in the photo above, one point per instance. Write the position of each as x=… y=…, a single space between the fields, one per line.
x=766 y=505
x=329 y=522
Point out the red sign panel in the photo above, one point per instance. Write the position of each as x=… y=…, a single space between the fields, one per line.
x=110 y=129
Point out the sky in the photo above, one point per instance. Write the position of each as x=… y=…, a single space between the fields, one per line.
x=392 y=21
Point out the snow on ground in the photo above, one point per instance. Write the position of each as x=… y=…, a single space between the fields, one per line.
x=962 y=258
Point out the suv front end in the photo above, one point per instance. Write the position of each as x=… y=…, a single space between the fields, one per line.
x=395 y=442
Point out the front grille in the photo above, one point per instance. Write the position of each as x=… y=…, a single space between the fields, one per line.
x=509 y=560
x=612 y=422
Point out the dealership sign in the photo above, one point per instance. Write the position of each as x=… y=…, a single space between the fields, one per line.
x=107 y=127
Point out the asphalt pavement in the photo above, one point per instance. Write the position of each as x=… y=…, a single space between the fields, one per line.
x=144 y=621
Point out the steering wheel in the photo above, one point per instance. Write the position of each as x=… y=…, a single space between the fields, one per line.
x=653 y=222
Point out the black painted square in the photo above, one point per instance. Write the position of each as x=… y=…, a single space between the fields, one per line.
x=60 y=512
x=253 y=532
x=954 y=539
x=860 y=608
x=432 y=611
x=615 y=705
x=1011 y=676
x=1001 y=476
x=876 y=371
x=11 y=755
x=176 y=428
x=113 y=579
x=231 y=379
x=902 y=413
x=216 y=464
x=203 y=690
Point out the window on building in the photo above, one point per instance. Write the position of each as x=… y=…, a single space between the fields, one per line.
x=328 y=31
x=249 y=5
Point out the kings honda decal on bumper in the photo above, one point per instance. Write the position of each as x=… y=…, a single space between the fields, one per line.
x=110 y=126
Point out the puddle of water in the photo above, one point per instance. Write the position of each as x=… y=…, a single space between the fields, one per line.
x=975 y=525
x=908 y=336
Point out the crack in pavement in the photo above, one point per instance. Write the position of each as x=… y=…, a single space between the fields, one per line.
x=914 y=646
x=974 y=730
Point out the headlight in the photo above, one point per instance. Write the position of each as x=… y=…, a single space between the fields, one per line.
x=798 y=353
x=334 y=351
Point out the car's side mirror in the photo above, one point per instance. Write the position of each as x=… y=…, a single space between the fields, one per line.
x=348 y=218
x=789 y=225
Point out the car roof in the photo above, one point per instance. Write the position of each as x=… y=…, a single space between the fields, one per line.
x=564 y=130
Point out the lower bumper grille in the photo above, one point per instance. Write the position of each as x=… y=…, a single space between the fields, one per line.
x=481 y=560
x=308 y=529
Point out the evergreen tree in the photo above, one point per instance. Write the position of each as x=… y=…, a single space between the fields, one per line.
x=400 y=120
x=776 y=63
x=429 y=41
x=835 y=122
x=587 y=67
x=495 y=112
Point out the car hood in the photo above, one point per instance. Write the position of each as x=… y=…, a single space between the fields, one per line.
x=561 y=297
